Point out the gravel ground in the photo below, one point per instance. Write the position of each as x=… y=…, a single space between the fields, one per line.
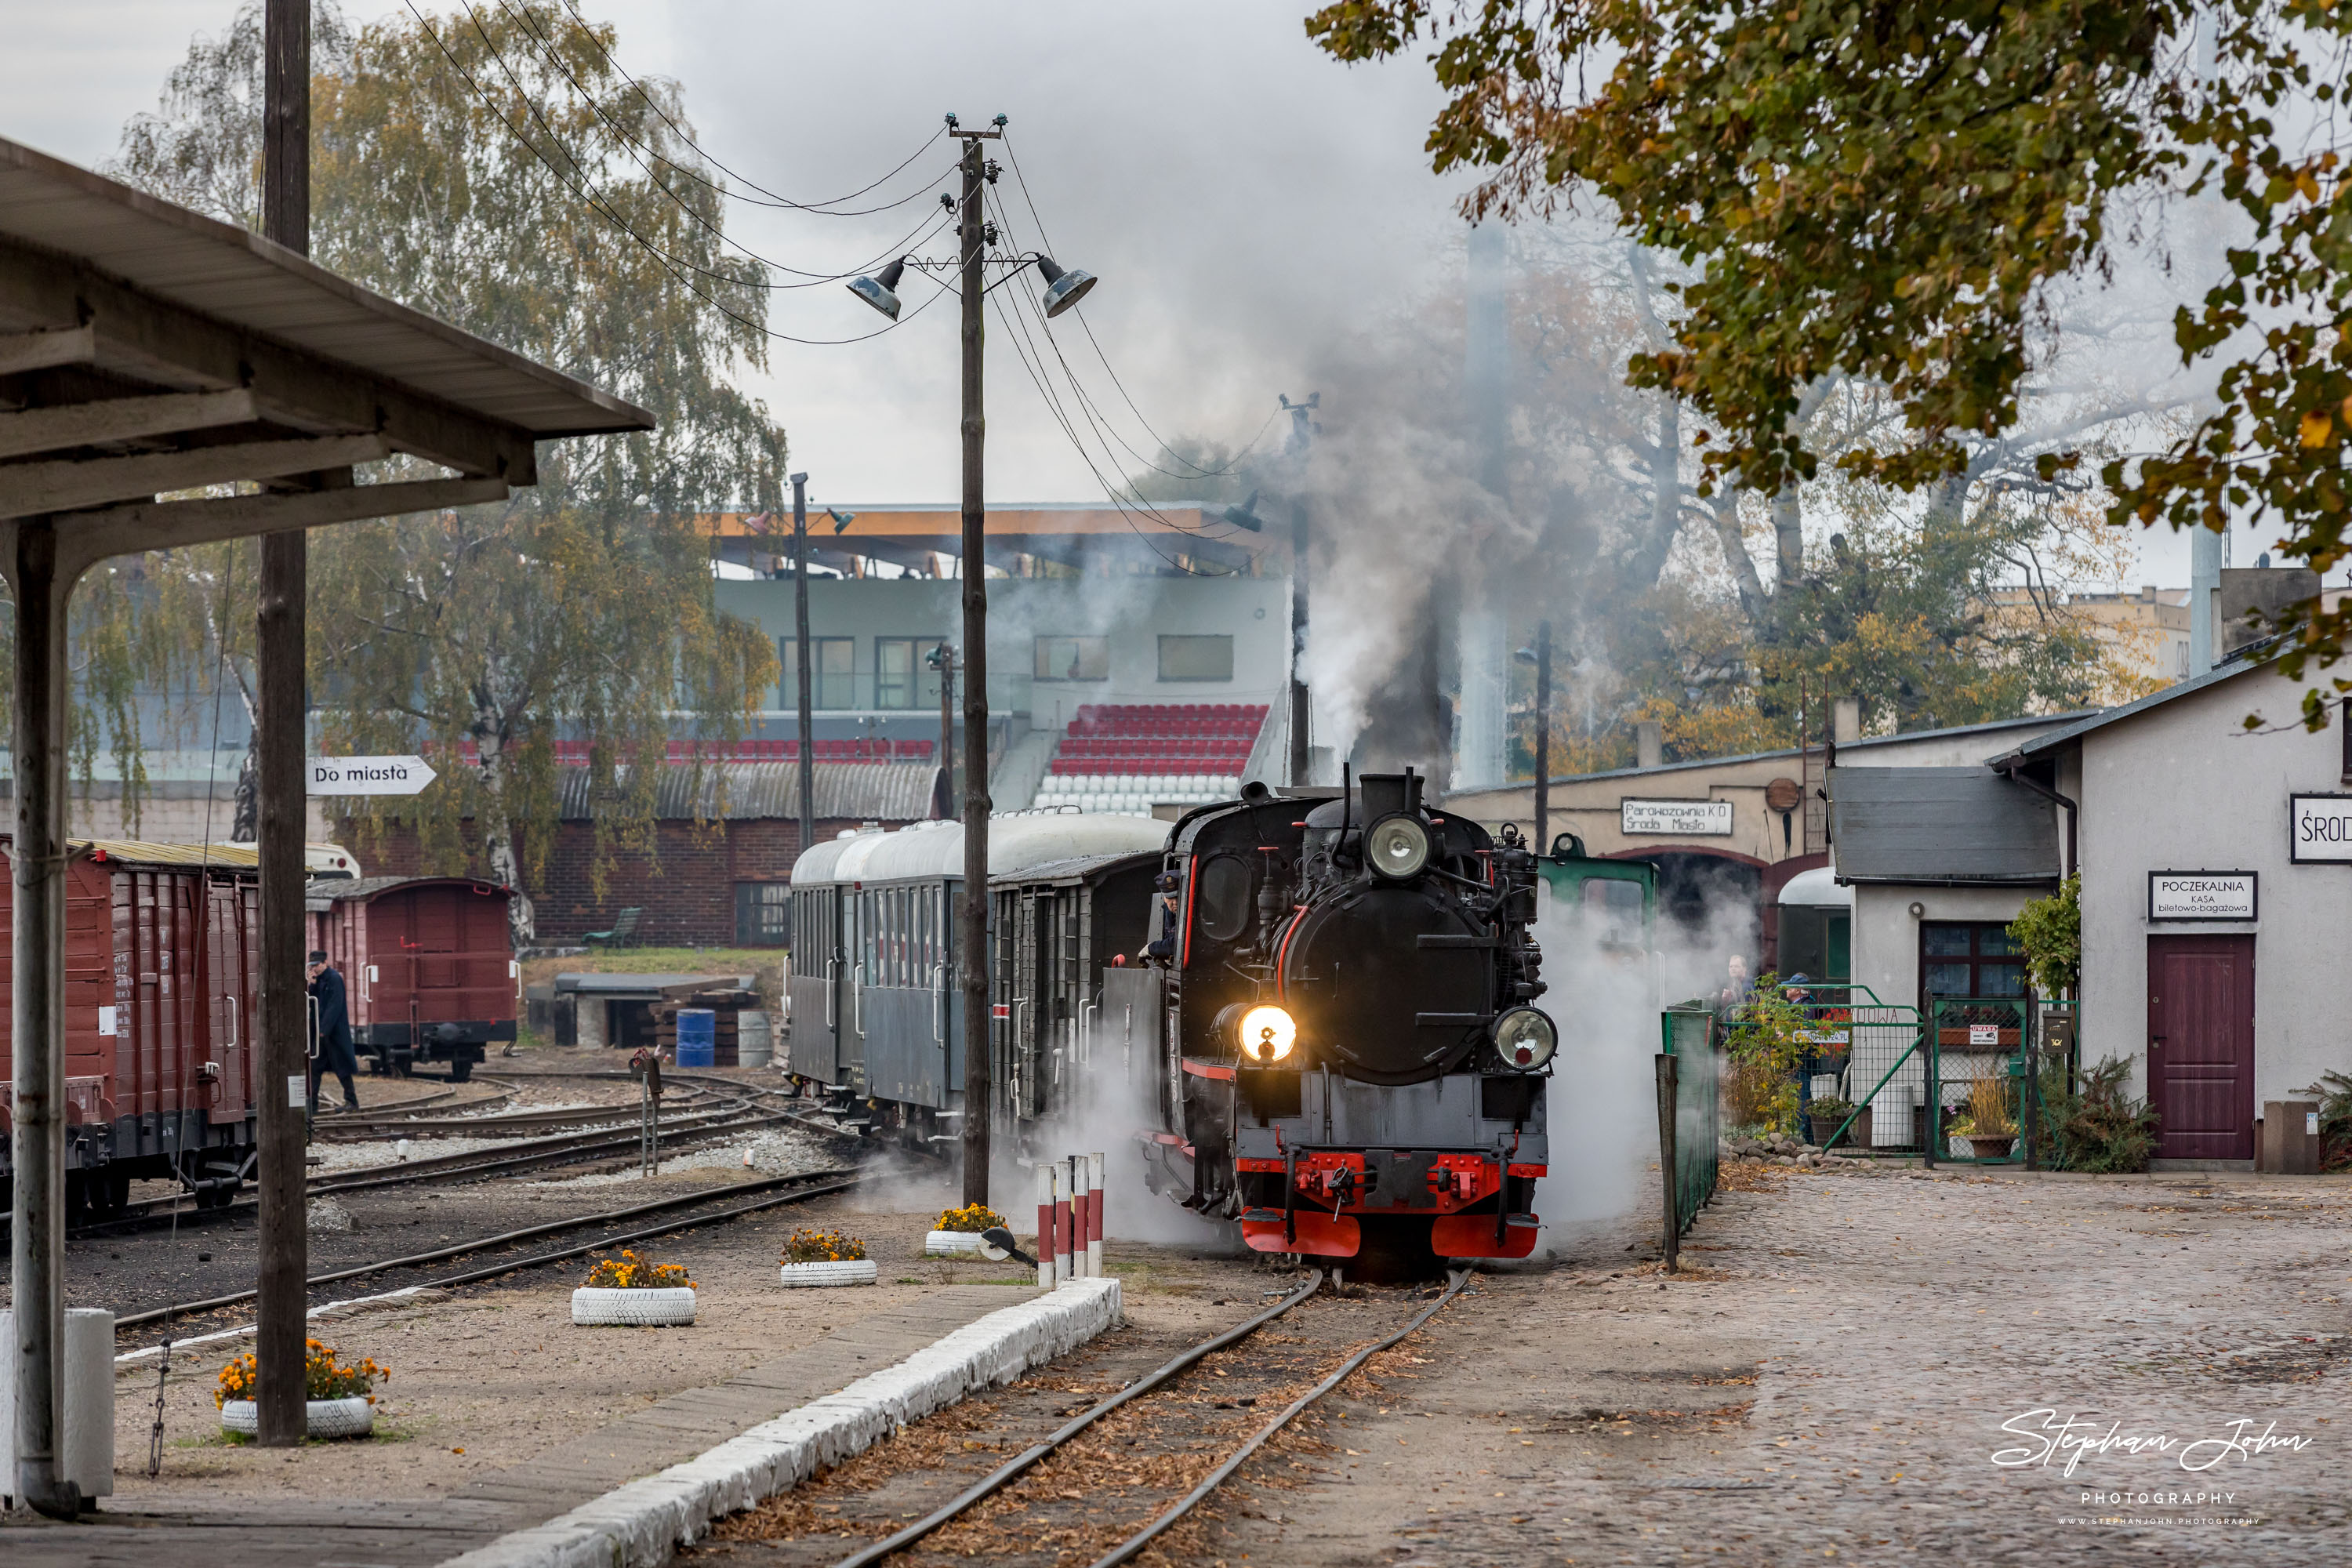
x=1833 y=1377
x=782 y=1152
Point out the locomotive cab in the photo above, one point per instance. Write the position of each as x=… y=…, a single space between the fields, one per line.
x=1353 y=1061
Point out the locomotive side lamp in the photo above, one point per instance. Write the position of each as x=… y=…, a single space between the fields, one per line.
x=1267 y=1033
x=1397 y=847
x=1526 y=1039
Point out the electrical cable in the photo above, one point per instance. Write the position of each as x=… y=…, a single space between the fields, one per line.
x=651 y=103
x=922 y=233
x=1019 y=179
x=1052 y=405
x=1097 y=424
x=596 y=202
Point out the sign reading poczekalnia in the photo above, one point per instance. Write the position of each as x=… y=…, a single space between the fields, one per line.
x=367 y=775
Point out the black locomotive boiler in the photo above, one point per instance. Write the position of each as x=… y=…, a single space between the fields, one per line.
x=1337 y=1003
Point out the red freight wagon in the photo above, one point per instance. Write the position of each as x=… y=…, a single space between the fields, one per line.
x=428 y=962
x=162 y=975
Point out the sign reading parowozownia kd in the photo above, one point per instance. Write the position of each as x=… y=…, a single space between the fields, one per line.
x=1678 y=818
x=2200 y=896
x=2320 y=828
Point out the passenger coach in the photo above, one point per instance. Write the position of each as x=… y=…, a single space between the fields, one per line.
x=876 y=1011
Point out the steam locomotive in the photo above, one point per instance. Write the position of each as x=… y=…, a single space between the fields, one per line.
x=1318 y=1005
x=1348 y=1057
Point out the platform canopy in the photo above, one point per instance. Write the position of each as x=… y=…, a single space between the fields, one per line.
x=145 y=349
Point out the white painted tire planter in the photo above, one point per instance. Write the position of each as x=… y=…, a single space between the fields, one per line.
x=851 y=1271
x=959 y=1244
x=352 y=1417
x=595 y=1306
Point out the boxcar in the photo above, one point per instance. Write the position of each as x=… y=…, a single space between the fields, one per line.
x=427 y=962
x=163 y=974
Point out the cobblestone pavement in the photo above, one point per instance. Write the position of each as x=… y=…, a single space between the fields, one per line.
x=1832 y=1382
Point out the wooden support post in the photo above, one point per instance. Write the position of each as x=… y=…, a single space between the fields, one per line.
x=281 y=743
x=971 y=924
x=1667 y=1074
x=36 y=1018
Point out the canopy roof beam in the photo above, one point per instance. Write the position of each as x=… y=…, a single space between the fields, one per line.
x=154 y=343
x=59 y=429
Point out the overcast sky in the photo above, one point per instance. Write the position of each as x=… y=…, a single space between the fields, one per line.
x=1243 y=198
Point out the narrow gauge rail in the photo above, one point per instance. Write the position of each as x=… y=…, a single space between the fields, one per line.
x=477 y=1163
x=1011 y=1472
x=781 y=1191
x=505 y=1121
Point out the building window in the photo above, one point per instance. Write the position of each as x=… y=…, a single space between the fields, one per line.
x=1196 y=659
x=763 y=914
x=1072 y=658
x=832 y=663
x=902 y=679
x=1970 y=959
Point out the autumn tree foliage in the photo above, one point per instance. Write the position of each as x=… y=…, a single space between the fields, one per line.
x=1889 y=193
x=493 y=168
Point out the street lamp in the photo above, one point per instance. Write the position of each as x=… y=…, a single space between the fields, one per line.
x=1065 y=286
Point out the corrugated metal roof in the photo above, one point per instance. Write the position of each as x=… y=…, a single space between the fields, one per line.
x=139 y=852
x=864 y=792
x=1940 y=825
x=237 y=277
x=326 y=894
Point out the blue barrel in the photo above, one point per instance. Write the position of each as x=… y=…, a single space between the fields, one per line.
x=697 y=1032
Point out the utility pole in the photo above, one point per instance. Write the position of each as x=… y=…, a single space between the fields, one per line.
x=1302 y=431
x=1543 y=737
x=971 y=939
x=284 y=1045
x=801 y=657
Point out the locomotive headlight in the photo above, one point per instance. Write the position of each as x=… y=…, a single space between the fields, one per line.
x=1397 y=847
x=1267 y=1033
x=1526 y=1039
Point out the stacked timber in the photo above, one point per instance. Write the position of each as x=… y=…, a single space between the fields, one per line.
x=723 y=999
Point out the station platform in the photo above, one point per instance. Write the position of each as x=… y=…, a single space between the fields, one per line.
x=371 y=1520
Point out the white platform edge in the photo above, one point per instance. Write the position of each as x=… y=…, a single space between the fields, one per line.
x=638 y=1525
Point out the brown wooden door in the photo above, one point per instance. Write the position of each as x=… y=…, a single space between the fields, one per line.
x=2201 y=1046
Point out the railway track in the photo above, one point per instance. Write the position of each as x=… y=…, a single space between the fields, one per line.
x=1161 y=1425
x=721 y=1119
x=720 y=1207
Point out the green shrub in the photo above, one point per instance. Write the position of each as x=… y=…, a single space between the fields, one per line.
x=2334 y=1092
x=2095 y=1126
x=2050 y=932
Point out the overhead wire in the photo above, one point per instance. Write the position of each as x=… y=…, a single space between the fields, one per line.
x=1013 y=160
x=595 y=201
x=922 y=231
x=1101 y=426
x=782 y=201
x=639 y=153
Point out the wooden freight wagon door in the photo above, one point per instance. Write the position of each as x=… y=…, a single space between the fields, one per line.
x=446 y=951
x=2201 y=1046
x=226 y=999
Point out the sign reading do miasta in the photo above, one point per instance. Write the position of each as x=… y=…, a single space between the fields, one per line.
x=367 y=775
x=1679 y=818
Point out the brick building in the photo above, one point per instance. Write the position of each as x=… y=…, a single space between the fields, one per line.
x=719 y=864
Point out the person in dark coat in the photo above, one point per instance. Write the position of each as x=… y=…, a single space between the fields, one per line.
x=331 y=1024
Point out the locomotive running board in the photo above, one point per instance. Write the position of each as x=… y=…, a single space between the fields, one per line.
x=1322 y=1235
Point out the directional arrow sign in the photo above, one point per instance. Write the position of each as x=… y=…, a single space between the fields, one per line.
x=367 y=775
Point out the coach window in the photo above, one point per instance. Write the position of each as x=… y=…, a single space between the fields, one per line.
x=1196 y=659
x=1072 y=658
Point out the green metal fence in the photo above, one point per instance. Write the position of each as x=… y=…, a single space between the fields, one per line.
x=1690 y=1116
x=1987 y=1061
x=1867 y=1053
